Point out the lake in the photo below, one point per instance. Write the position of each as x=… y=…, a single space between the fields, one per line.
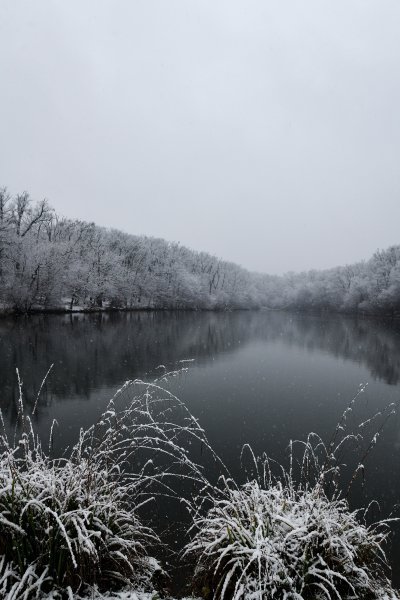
x=257 y=377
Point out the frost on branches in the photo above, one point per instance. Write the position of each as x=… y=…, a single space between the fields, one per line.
x=49 y=262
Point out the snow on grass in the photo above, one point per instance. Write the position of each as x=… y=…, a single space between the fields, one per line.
x=71 y=528
x=128 y=595
x=289 y=533
x=280 y=542
x=70 y=523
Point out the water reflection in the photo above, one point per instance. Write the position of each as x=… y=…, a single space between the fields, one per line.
x=94 y=351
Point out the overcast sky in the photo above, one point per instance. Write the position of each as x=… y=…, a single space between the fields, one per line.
x=265 y=132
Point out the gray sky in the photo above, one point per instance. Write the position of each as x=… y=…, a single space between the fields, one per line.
x=265 y=132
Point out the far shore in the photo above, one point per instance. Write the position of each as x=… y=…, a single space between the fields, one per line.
x=65 y=310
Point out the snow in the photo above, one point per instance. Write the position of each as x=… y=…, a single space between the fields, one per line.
x=127 y=595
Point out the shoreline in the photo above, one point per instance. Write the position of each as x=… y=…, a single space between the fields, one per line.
x=55 y=310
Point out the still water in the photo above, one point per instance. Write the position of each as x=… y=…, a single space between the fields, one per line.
x=257 y=377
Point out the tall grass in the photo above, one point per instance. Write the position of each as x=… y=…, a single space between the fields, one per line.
x=289 y=533
x=73 y=522
x=73 y=526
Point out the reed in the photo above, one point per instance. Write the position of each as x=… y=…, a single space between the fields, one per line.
x=71 y=524
x=288 y=532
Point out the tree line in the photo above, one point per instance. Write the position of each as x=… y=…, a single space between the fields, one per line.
x=371 y=286
x=48 y=262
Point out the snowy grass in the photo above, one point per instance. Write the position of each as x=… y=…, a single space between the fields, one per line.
x=72 y=527
x=72 y=523
x=279 y=542
x=289 y=533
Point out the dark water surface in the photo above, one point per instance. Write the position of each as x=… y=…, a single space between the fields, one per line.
x=257 y=377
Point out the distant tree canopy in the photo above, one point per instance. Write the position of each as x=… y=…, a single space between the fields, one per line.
x=51 y=262
x=47 y=261
x=371 y=286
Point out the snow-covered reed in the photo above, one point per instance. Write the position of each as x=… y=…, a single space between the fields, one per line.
x=69 y=523
x=289 y=534
x=72 y=527
x=279 y=542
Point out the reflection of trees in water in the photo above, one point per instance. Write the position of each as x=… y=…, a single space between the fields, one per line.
x=373 y=344
x=92 y=351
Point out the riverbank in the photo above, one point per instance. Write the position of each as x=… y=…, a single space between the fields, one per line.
x=65 y=310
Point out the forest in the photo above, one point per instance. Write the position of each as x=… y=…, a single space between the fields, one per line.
x=48 y=262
